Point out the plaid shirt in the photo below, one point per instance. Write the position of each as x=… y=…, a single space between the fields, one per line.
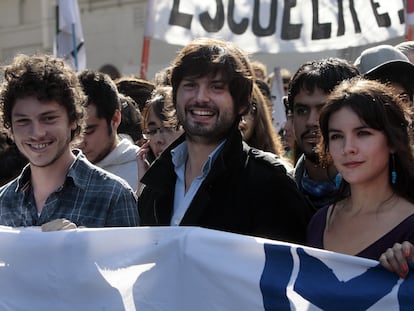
x=89 y=197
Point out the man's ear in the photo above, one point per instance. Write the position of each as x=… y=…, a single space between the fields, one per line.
x=116 y=119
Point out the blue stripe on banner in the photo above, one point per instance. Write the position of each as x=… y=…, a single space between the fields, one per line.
x=406 y=292
x=364 y=290
x=369 y=287
x=275 y=277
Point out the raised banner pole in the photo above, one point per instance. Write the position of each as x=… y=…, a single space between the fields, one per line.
x=409 y=33
x=144 y=57
x=148 y=32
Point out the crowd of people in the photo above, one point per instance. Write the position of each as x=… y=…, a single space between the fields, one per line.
x=197 y=147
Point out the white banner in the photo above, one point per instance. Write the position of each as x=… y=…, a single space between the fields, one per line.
x=273 y=26
x=185 y=268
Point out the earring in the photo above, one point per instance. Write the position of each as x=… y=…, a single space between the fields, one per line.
x=393 y=172
x=338 y=180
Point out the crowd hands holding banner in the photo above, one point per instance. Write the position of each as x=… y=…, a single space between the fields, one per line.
x=196 y=147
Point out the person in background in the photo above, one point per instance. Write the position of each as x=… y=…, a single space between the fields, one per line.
x=100 y=142
x=259 y=70
x=388 y=65
x=286 y=76
x=208 y=177
x=138 y=89
x=365 y=135
x=11 y=159
x=257 y=128
x=292 y=150
x=407 y=48
x=161 y=127
x=42 y=107
x=162 y=77
x=308 y=91
x=131 y=120
x=267 y=94
x=111 y=71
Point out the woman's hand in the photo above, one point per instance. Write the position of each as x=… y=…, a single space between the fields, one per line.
x=396 y=259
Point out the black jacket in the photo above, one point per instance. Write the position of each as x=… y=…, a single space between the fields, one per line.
x=247 y=191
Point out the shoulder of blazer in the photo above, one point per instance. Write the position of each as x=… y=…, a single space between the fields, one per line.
x=268 y=159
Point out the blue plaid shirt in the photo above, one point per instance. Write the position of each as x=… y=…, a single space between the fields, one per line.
x=89 y=197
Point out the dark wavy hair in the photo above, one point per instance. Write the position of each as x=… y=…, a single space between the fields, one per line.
x=102 y=92
x=205 y=56
x=376 y=105
x=137 y=88
x=47 y=79
x=323 y=74
x=162 y=105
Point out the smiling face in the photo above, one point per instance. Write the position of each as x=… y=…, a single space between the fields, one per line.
x=205 y=108
x=41 y=131
x=360 y=153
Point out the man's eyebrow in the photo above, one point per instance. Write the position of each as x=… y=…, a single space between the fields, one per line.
x=300 y=104
x=218 y=80
x=22 y=114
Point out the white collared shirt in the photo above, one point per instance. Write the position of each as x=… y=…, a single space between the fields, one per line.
x=182 y=200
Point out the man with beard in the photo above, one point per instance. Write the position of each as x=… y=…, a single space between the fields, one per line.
x=42 y=107
x=308 y=91
x=208 y=177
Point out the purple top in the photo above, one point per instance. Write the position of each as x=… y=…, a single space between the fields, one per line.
x=402 y=232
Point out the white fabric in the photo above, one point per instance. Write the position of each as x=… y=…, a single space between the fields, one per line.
x=179 y=22
x=278 y=112
x=70 y=35
x=185 y=268
x=122 y=162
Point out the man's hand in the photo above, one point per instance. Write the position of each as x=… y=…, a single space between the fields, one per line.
x=58 y=224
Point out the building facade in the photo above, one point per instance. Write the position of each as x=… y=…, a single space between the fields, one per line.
x=113 y=32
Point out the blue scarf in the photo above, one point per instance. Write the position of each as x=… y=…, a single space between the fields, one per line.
x=320 y=193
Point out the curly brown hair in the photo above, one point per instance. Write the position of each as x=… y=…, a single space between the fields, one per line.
x=46 y=78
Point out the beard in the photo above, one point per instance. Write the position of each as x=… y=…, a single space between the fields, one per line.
x=61 y=149
x=209 y=134
x=313 y=156
x=199 y=133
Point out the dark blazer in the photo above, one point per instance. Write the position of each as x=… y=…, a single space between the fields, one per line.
x=247 y=191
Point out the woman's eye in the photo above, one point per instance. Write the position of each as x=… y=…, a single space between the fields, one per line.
x=363 y=133
x=334 y=136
